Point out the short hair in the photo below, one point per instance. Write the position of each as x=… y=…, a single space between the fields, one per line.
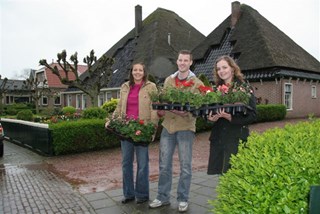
x=186 y=52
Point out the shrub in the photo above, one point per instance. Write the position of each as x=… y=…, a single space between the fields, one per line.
x=271 y=112
x=25 y=115
x=94 y=112
x=273 y=172
x=81 y=136
x=110 y=106
x=68 y=110
x=16 y=107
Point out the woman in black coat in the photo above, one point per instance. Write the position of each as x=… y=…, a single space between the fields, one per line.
x=228 y=129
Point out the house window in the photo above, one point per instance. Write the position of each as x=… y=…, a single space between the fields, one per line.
x=69 y=100
x=313 y=91
x=84 y=101
x=100 y=100
x=108 y=96
x=44 y=100
x=118 y=94
x=78 y=101
x=57 y=100
x=288 y=95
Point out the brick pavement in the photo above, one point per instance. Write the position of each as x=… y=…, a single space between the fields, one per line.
x=27 y=186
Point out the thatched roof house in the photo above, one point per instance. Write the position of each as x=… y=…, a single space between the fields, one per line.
x=261 y=49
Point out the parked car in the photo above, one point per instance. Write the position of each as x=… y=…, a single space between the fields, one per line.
x=1 y=140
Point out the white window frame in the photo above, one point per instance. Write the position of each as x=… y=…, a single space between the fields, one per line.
x=54 y=100
x=100 y=99
x=69 y=100
x=313 y=91
x=84 y=101
x=108 y=96
x=43 y=98
x=78 y=101
x=288 y=95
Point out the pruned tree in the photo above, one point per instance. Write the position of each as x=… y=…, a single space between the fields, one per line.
x=38 y=89
x=3 y=89
x=92 y=81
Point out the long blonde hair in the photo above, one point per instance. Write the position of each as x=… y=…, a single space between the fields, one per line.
x=237 y=76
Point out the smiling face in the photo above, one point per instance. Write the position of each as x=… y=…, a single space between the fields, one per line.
x=184 y=62
x=137 y=73
x=225 y=71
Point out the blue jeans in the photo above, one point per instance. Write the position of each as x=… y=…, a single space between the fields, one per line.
x=168 y=143
x=141 y=189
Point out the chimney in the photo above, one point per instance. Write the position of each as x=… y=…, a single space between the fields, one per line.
x=138 y=19
x=235 y=13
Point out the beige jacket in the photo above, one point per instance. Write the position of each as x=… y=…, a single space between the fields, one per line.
x=146 y=112
x=173 y=122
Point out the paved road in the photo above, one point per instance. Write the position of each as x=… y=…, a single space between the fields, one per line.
x=28 y=186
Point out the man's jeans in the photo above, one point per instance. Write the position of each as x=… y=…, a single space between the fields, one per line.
x=141 y=191
x=168 y=142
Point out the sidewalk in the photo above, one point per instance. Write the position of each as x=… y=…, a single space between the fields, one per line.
x=27 y=186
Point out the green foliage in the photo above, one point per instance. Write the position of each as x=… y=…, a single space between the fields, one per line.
x=111 y=105
x=134 y=129
x=204 y=79
x=272 y=172
x=81 y=136
x=202 y=125
x=50 y=111
x=13 y=109
x=94 y=112
x=68 y=110
x=25 y=115
x=271 y=112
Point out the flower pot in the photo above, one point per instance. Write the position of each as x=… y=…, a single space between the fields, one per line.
x=121 y=137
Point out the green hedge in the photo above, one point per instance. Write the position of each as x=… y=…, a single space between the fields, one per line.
x=271 y=112
x=81 y=136
x=273 y=172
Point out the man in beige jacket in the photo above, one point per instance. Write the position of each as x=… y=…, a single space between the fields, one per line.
x=178 y=130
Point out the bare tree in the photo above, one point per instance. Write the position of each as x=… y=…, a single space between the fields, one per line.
x=38 y=89
x=3 y=89
x=92 y=81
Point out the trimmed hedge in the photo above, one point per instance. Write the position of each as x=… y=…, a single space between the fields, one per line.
x=273 y=172
x=271 y=112
x=81 y=136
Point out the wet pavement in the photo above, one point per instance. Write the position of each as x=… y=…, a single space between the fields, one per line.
x=27 y=185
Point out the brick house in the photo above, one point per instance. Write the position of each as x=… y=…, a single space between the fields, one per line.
x=55 y=98
x=14 y=92
x=280 y=71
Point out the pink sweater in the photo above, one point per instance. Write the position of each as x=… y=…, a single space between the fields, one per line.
x=133 y=102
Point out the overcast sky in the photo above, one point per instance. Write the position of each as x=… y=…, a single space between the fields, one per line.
x=38 y=29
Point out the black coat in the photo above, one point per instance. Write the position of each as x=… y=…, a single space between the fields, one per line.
x=225 y=137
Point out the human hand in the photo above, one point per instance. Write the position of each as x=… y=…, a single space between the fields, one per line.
x=223 y=114
x=161 y=113
x=180 y=113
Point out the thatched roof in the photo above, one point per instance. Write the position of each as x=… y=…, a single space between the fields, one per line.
x=151 y=45
x=257 y=44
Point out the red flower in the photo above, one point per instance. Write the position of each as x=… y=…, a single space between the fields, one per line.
x=141 y=122
x=184 y=83
x=204 y=89
x=138 y=132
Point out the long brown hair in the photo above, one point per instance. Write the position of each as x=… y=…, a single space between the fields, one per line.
x=145 y=73
x=237 y=76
